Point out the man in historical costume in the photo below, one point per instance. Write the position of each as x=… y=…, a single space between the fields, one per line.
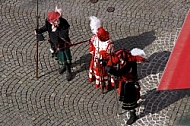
x=129 y=88
x=100 y=48
x=58 y=30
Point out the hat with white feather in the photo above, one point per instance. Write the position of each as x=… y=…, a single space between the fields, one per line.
x=96 y=28
x=54 y=15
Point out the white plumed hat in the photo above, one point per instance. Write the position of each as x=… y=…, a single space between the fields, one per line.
x=95 y=23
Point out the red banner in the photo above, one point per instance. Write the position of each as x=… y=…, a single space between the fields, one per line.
x=177 y=72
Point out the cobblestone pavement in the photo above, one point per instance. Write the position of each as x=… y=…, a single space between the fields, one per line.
x=152 y=25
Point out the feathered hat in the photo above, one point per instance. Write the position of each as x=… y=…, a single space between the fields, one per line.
x=137 y=52
x=54 y=15
x=96 y=28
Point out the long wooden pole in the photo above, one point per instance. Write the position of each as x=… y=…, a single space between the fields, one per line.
x=37 y=25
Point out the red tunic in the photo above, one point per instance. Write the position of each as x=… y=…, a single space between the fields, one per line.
x=99 y=50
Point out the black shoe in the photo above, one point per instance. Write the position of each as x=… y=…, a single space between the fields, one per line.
x=133 y=117
x=62 y=69
x=68 y=76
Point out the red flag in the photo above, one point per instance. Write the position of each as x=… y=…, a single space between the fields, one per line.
x=177 y=72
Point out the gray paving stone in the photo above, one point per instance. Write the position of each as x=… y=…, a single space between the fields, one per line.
x=52 y=101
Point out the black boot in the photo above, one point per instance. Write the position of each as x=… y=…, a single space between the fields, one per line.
x=68 y=73
x=133 y=117
x=62 y=69
x=121 y=98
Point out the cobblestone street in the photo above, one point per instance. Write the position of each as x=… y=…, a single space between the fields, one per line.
x=152 y=25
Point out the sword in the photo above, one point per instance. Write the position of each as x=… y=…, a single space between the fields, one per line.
x=70 y=45
x=74 y=44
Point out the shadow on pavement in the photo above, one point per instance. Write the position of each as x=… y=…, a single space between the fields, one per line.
x=140 y=41
x=155 y=101
x=81 y=65
x=156 y=64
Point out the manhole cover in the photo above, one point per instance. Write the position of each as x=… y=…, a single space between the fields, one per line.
x=93 y=1
x=111 y=9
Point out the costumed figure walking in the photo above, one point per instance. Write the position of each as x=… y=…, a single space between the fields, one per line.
x=58 y=31
x=100 y=47
x=129 y=88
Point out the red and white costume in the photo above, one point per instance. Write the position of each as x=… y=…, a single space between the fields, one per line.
x=100 y=48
